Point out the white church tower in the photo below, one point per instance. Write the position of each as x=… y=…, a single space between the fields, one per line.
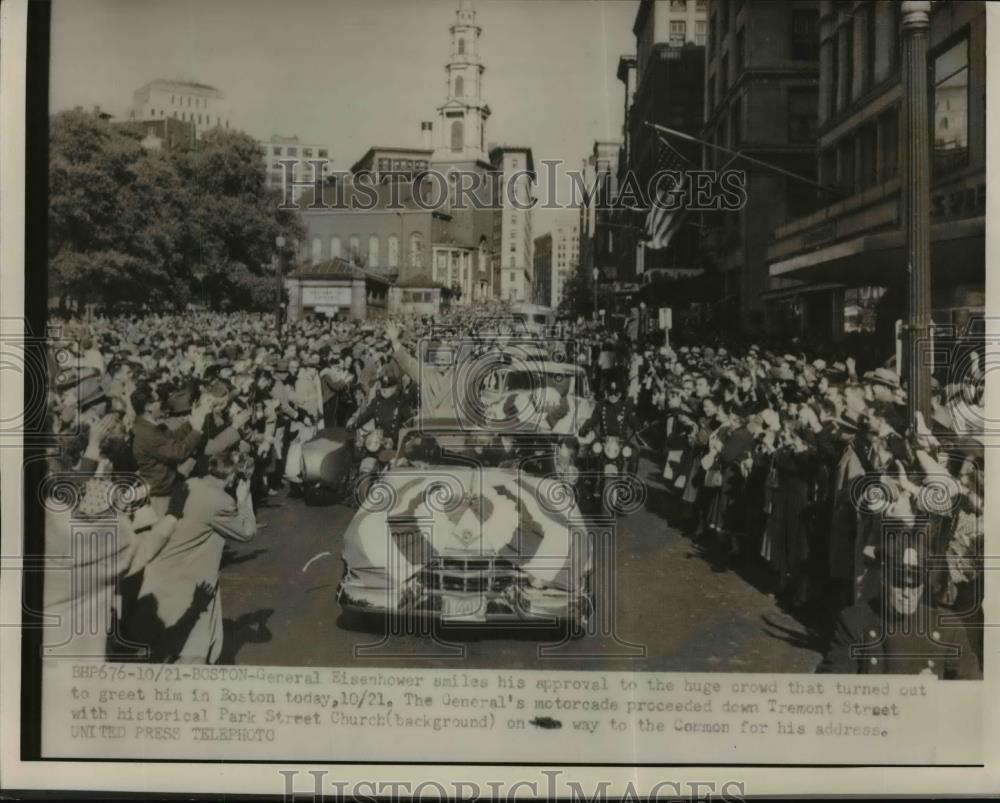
x=462 y=119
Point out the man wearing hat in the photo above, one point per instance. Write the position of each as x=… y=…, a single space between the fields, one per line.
x=613 y=416
x=158 y=451
x=386 y=410
x=899 y=631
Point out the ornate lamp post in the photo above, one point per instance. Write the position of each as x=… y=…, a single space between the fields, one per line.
x=915 y=24
x=280 y=242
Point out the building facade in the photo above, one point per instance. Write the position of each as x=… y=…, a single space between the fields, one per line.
x=543 y=270
x=435 y=215
x=852 y=248
x=462 y=118
x=513 y=233
x=289 y=159
x=201 y=105
x=761 y=98
x=565 y=260
x=160 y=135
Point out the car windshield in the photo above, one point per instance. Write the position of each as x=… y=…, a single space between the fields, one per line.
x=484 y=449
x=534 y=380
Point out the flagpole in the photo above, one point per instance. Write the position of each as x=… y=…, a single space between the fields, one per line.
x=752 y=160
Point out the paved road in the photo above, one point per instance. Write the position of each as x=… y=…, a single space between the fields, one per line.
x=675 y=611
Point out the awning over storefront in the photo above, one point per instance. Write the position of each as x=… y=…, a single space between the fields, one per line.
x=805 y=288
x=958 y=253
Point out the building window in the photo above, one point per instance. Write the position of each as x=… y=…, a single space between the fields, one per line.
x=833 y=102
x=828 y=167
x=951 y=108
x=805 y=35
x=322 y=153
x=317 y=250
x=334 y=248
x=867 y=167
x=802 y=115
x=870 y=44
x=678 y=5
x=393 y=248
x=889 y=145
x=845 y=165
x=373 y=251
x=457 y=135
x=736 y=122
x=293 y=151
x=354 y=248
x=277 y=151
x=307 y=152
x=416 y=250
x=461 y=47
x=173 y=101
x=700 y=32
x=847 y=33
x=678 y=33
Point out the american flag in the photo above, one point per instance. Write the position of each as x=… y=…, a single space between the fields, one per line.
x=659 y=218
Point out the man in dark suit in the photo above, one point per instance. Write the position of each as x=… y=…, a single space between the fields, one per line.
x=900 y=632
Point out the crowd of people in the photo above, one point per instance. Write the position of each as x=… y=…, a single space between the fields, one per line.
x=801 y=463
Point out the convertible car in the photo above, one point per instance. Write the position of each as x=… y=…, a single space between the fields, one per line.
x=552 y=395
x=469 y=527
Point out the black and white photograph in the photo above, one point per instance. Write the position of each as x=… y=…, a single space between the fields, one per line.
x=462 y=367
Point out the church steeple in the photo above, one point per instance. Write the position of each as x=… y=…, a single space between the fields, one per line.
x=462 y=118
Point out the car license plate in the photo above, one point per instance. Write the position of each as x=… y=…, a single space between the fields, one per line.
x=472 y=609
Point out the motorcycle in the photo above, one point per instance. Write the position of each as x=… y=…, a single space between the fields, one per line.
x=376 y=453
x=612 y=472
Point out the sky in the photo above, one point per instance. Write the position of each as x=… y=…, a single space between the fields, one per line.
x=357 y=73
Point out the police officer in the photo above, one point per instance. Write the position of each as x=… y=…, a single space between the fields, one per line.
x=900 y=631
x=386 y=409
x=613 y=416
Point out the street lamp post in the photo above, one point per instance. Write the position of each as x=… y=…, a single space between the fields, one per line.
x=596 y=275
x=915 y=23
x=280 y=242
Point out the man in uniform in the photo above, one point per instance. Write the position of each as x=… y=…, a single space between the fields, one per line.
x=899 y=631
x=386 y=410
x=614 y=416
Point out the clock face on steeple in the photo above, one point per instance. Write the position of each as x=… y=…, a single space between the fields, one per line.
x=462 y=118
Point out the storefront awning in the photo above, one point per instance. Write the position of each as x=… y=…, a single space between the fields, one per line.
x=957 y=254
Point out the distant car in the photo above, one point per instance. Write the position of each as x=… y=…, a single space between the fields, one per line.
x=553 y=395
x=456 y=530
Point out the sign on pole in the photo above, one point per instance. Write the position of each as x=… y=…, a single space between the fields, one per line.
x=666 y=318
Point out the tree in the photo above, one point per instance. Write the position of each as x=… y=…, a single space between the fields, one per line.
x=131 y=226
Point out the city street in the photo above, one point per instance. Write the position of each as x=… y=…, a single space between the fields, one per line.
x=279 y=603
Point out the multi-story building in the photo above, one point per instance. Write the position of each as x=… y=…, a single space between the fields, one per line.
x=160 y=135
x=565 y=261
x=664 y=85
x=852 y=249
x=202 y=106
x=394 y=163
x=543 y=270
x=447 y=243
x=514 y=175
x=289 y=159
x=761 y=96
